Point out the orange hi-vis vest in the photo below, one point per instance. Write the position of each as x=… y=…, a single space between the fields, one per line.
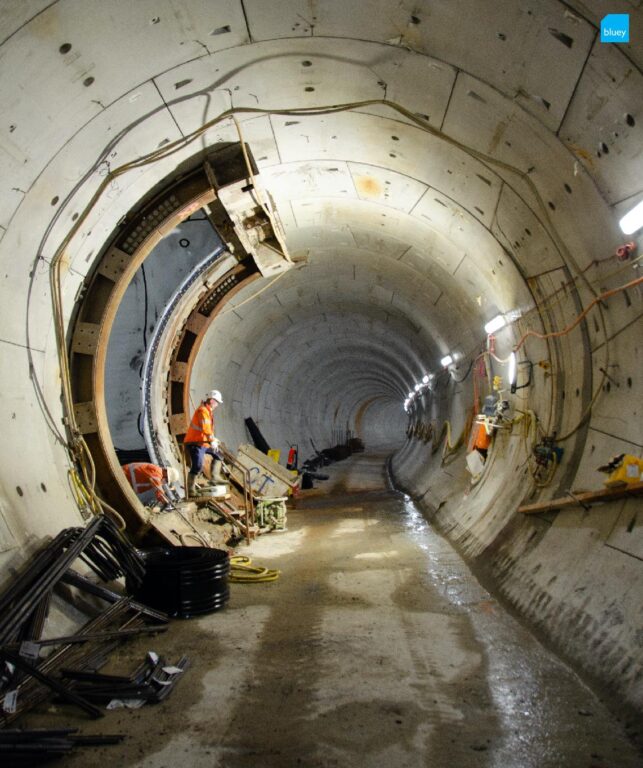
x=145 y=477
x=201 y=429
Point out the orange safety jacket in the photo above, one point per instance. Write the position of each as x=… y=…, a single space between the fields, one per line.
x=145 y=477
x=201 y=429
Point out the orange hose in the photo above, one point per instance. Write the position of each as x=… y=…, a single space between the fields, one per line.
x=571 y=327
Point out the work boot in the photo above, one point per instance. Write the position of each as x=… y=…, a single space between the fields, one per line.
x=217 y=472
x=192 y=485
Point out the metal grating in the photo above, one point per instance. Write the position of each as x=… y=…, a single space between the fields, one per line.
x=153 y=219
x=217 y=294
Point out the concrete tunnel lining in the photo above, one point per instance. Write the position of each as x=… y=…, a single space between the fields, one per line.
x=410 y=245
x=163 y=227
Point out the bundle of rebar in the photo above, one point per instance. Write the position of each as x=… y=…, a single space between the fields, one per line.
x=26 y=679
x=100 y=545
x=31 y=691
x=28 y=747
x=150 y=683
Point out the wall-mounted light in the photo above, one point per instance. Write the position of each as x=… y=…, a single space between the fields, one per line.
x=425 y=379
x=410 y=396
x=446 y=361
x=632 y=221
x=511 y=375
x=418 y=387
x=495 y=324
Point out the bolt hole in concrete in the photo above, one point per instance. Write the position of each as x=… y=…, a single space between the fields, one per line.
x=19 y=491
x=88 y=81
x=54 y=200
x=306 y=63
x=65 y=48
x=566 y=40
x=629 y=119
x=309 y=89
x=43 y=487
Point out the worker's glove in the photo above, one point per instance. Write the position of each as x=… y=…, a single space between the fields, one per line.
x=214 y=444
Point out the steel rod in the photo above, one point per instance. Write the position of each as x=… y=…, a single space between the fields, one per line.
x=52 y=683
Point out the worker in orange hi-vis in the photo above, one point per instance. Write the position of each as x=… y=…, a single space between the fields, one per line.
x=151 y=482
x=200 y=439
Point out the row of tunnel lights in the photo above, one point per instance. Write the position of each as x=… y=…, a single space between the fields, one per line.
x=629 y=224
x=498 y=322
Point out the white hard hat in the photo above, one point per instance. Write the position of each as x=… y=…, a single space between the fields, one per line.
x=172 y=474
x=214 y=394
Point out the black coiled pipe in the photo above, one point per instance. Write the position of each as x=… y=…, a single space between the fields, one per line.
x=185 y=581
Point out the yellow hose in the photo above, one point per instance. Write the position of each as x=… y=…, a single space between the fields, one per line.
x=243 y=572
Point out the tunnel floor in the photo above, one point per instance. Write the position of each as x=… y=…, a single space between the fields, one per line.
x=376 y=647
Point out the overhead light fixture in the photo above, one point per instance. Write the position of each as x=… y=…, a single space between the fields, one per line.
x=418 y=387
x=425 y=379
x=446 y=361
x=632 y=221
x=498 y=322
x=410 y=396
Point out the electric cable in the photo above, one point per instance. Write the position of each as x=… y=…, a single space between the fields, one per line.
x=579 y=318
x=145 y=310
x=145 y=317
x=557 y=297
x=466 y=375
x=249 y=298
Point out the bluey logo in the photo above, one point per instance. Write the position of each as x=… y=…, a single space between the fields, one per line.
x=615 y=28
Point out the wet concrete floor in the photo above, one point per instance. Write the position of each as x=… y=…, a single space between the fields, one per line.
x=376 y=647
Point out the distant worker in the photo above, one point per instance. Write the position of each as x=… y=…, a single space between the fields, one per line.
x=150 y=482
x=200 y=439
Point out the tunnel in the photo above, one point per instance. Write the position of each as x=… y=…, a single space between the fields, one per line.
x=385 y=222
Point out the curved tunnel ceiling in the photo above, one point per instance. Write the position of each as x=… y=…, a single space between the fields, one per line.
x=432 y=164
x=513 y=152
